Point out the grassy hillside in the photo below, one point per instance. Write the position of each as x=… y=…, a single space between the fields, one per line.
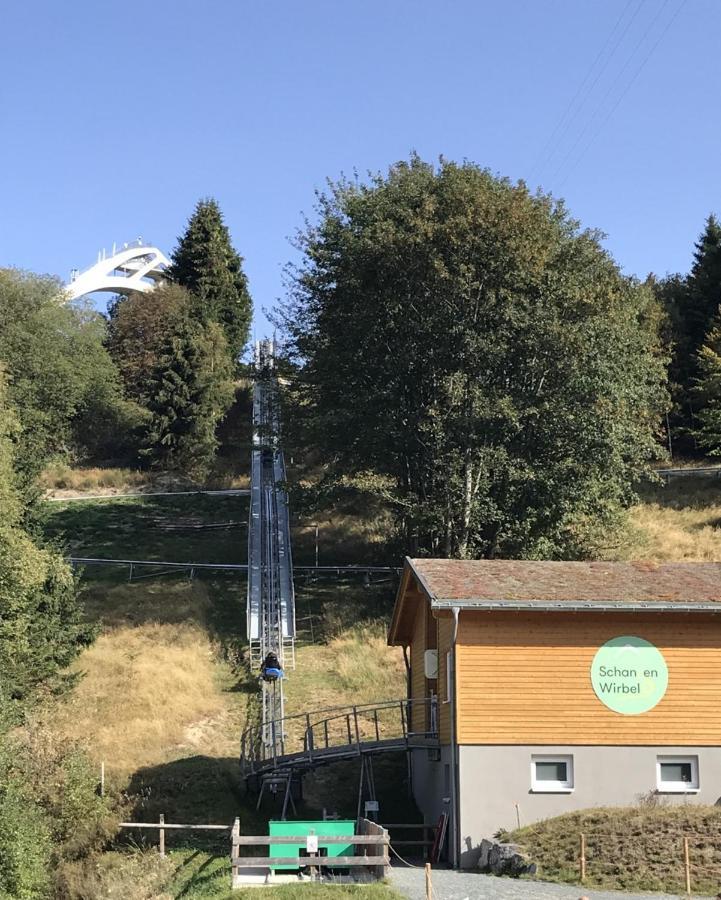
x=196 y=528
x=677 y=522
x=636 y=849
x=164 y=693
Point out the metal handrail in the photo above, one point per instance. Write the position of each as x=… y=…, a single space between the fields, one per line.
x=347 y=730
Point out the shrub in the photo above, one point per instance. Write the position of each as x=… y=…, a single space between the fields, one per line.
x=24 y=844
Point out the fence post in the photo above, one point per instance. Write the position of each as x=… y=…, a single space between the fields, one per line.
x=687 y=865
x=102 y=779
x=161 y=835
x=429 y=884
x=234 y=850
x=583 y=857
x=308 y=736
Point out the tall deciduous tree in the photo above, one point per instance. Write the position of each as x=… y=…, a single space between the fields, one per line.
x=57 y=367
x=469 y=341
x=206 y=264
x=139 y=327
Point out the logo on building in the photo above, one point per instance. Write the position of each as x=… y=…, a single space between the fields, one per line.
x=629 y=675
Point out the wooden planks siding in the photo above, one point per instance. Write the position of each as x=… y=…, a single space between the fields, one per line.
x=418 y=678
x=524 y=678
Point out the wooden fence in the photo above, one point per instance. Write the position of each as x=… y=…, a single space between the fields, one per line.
x=371 y=846
x=161 y=826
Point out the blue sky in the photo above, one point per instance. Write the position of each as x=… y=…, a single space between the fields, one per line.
x=116 y=117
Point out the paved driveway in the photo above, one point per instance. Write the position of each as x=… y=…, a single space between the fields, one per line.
x=450 y=885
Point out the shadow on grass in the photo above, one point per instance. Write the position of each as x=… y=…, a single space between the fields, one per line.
x=196 y=790
x=683 y=493
x=174 y=529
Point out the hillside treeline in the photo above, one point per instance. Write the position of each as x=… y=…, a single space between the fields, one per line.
x=146 y=385
x=693 y=334
x=150 y=384
x=470 y=352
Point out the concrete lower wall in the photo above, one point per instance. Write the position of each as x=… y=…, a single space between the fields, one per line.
x=431 y=784
x=492 y=779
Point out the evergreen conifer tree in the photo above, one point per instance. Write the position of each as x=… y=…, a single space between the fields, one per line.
x=190 y=392
x=708 y=391
x=206 y=264
x=691 y=303
x=703 y=290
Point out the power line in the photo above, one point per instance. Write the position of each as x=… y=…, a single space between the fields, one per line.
x=610 y=90
x=625 y=91
x=567 y=116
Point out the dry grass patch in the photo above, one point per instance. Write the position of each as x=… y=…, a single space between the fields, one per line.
x=153 y=687
x=678 y=522
x=60 y=479
x=142 y=688
x=355 y=668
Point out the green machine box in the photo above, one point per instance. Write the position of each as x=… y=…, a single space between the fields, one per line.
x=328 y=828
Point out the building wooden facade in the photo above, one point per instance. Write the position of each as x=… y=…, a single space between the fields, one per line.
x=546 y=699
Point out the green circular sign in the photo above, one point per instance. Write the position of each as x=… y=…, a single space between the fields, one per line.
x=629 y=675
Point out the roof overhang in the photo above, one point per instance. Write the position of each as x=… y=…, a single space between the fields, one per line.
x=566 y=606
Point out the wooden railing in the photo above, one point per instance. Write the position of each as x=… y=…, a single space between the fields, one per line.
x=371 y=851
x=308 y=739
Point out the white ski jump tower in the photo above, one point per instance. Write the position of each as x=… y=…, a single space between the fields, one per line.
x=134 y=267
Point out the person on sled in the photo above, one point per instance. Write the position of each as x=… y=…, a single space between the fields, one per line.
x=271 y=669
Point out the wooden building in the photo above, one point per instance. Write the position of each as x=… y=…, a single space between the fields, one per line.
x=556 y=686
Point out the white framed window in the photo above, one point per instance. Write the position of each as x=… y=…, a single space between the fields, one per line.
x=552 y=774
x=677 y=774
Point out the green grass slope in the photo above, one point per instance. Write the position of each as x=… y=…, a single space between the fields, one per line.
x=635 y=849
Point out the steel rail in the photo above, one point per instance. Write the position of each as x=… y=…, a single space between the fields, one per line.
x=243 y=567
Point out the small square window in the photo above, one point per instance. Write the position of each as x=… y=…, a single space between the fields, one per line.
x=552 y=774
x=677 y=774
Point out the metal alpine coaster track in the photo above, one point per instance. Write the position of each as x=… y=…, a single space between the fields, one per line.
x=271 y=599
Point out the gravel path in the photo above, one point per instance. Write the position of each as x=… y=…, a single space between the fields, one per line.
x=450 y=885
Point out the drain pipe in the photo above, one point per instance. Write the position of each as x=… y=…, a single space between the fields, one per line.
x=455 y=817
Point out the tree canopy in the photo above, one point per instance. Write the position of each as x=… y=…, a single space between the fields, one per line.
x=138 y=329
x=57 y=367
x=206 y=264
x=40 y=625
x=470 y=342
